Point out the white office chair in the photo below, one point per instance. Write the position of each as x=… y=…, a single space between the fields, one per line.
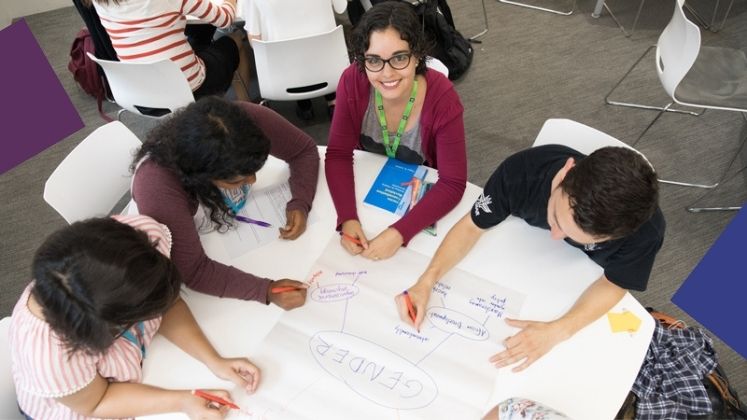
x=8 y=403
x=95 y=175
x=576 y=136
x=434 y=63
x=300 y=68
x=694 y=75
x=148 y=89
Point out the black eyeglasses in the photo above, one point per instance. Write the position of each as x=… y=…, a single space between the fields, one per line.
x=397 y=62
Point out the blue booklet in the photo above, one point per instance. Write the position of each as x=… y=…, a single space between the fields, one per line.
x=398 y=187
x=392 y=188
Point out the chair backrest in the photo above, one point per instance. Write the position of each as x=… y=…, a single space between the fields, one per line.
x=300 y=68
x=95 y=175
x=577 y=136
x=278 y=20
x=159 y=85
x=8 y=404
x=677 y=49
x=436 y=64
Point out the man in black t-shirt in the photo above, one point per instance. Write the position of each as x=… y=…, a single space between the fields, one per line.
x=605 y=204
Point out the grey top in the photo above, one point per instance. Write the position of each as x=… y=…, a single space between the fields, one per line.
x=409 y=149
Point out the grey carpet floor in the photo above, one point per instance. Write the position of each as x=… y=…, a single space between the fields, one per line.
x=530 y=66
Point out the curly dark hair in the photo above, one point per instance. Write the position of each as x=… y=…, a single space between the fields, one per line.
x=211 y=139
x=95 y=278
x=391 y=14
x=612 y=192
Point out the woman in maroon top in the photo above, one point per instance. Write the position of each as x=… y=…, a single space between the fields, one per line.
x=208 y=154
x=389 y=86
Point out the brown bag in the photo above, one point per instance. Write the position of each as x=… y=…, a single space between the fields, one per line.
x=724 y=399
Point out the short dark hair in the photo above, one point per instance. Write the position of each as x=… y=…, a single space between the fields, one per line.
x=210 y=139
x=96 y=277
x=391 y=14
x=612 y=192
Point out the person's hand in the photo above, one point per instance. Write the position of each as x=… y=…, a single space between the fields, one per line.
x=352 y=231
x=419 y=295
x=532 y=342
x=238 y=370
x=295 y=224
x=287 y=299
x=384 y=245
x=199 y=408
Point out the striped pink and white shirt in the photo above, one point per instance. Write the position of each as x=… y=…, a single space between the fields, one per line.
x=153 y=30
x=43 y=369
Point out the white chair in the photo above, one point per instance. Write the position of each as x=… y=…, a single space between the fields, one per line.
x=694 y=75
x=8 y=403
x=576 y=136
x=586 y=140
x=300 y=68
x=436 y=64
x=95 y=175
x=148 y=89
x=274 y=20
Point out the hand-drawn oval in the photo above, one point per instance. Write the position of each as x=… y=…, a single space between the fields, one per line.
x=334 y=292
x=373 y=371
x=451 y=321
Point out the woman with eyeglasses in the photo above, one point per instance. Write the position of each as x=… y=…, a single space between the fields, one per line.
x=389 y=102
x=101 y=289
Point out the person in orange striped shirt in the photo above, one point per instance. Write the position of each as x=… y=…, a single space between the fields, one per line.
x=152 y=30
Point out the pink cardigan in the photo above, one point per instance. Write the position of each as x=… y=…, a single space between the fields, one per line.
x=442 y=133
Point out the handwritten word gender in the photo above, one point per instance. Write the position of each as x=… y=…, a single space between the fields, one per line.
x=373 y=371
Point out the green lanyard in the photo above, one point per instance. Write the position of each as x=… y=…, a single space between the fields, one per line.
x=391 y=151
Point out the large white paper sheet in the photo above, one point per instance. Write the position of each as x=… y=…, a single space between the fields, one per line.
x=346 y=353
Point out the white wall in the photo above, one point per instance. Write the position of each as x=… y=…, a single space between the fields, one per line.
x=19 y=8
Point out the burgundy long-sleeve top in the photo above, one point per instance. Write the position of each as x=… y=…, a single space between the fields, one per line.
x=443 y=145
x=160 y=195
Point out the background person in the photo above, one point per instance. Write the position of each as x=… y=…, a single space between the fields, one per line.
x=153 y=30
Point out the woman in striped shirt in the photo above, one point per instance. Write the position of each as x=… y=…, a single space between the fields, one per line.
x=102 y=288
x=153 y=30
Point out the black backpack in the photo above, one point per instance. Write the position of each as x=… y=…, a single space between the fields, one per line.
x=454 y=50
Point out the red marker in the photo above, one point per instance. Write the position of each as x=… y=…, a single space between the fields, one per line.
x=410 y=307
x=283 y=289
x=351 y=238
x=214 y=398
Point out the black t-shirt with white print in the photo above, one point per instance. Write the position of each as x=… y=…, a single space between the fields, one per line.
x=521 y=185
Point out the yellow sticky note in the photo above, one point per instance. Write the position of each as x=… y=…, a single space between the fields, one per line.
x=624 y=321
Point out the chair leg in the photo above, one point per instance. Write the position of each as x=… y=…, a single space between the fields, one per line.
x=543 y=9
x=119 y=114
x=694 y=209
x=619 y=25
x=666 y=108
x=484 y=31
x=714 y=29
